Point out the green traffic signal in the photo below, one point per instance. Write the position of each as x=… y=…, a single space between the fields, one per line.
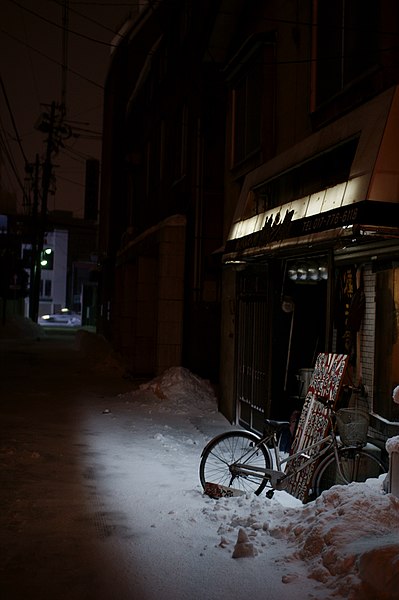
x=47 y=258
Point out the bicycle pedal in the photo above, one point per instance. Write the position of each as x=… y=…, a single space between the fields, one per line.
x=270 y=494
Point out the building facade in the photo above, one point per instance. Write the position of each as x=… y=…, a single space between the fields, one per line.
x=161 y=208
x=249 y=202
x=310 y=258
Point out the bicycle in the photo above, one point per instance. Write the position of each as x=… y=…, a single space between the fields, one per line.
x=237 y=462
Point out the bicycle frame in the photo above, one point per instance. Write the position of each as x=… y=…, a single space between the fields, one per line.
x=279 y=477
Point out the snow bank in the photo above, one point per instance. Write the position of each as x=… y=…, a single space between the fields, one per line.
x=347 y=540
x=17 y=327
x=181 y=391
x=345 y=536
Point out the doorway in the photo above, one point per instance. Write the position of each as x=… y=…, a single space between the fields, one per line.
x=299 y=332
x=281 y=327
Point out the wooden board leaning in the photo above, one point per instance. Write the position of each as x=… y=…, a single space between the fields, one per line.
x=313 y=426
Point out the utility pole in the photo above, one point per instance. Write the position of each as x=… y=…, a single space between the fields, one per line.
x=41 y=220
x=33 y=300
x=65 y=26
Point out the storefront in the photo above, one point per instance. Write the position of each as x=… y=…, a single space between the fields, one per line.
x=315 y=247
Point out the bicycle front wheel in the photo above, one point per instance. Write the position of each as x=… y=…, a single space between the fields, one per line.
x=355 y=464
x=221 y=455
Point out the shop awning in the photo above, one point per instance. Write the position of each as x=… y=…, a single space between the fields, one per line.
x=359 y=151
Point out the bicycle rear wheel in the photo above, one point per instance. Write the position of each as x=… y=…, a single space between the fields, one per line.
x=355 y=464
x=224 y=451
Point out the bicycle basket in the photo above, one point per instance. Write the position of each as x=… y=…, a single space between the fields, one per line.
x=352 y=426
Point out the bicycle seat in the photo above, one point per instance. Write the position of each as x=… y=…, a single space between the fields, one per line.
x=271 y=426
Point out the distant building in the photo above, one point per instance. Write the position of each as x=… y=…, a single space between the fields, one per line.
x=53 y=283
x=82 y=263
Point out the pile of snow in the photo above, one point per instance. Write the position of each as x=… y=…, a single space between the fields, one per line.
x=347 y=539
x=181 y=391
x=346 y=542
x=17 y=327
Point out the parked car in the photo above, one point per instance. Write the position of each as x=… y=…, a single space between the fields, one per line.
x=64 y=318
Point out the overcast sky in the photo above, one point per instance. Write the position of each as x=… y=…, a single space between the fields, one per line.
x=31 y=58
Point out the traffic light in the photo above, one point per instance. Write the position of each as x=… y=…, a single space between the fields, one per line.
x=47 y=259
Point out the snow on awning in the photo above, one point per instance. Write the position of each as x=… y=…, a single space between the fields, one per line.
x=342 y=178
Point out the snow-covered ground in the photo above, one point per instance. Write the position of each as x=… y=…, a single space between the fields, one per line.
x=343 y=545
x=148 y=443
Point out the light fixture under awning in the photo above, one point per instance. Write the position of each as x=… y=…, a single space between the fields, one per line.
x=365 y=203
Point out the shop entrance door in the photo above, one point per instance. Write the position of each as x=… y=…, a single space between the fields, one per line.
x=252 y=356
x=300 y=322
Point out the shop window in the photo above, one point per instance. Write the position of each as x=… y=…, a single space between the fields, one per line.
x=347 y=44
x=386 y=343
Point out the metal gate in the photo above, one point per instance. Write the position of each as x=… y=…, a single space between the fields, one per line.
x=252 y=379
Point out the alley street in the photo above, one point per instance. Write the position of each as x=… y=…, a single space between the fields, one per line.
x=52 y=517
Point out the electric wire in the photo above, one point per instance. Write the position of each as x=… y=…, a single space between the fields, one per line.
x=32 y=66
x=53 y=60
x=90 y=19
x=10 y=159
x=89 y=38
x=54 y=24
x=18 y=139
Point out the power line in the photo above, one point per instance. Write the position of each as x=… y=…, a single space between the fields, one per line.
x=33 y=70
x=312 y=24
x=73 y=154
x=53 y=60
x=10 y=159
x=90 y=19
x=54 y=24
x=78 y=183
x=18 y=139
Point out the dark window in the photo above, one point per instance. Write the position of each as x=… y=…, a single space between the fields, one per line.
x=27 y=257
x=247 y=104
x=47 y=287
x=347 y=43
x=153 y=163
x=177 y=147
x=319 y=172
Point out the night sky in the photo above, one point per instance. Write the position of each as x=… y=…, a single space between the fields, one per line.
x=31 y=58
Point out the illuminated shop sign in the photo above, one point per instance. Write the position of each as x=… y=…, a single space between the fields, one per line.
x=377 y=214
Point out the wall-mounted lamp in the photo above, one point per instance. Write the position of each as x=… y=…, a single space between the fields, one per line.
x=238 y=265
x=307 y=271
